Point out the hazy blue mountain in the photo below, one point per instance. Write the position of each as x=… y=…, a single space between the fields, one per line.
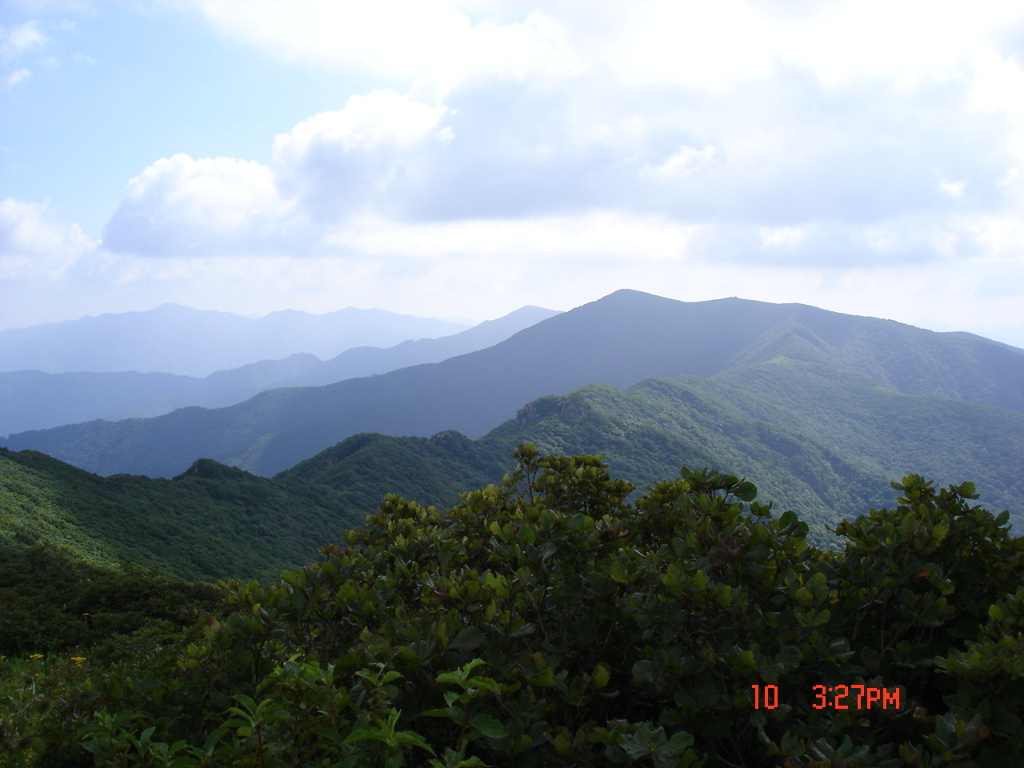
x=192 y=342
x=36 y=400
x=618 y=340
x=368 y=361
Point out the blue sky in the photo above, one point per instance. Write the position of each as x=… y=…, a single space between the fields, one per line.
x=462 y=159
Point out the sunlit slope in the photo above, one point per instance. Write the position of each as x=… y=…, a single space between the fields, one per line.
x=211 y=522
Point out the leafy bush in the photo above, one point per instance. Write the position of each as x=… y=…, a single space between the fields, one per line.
x=549 y=621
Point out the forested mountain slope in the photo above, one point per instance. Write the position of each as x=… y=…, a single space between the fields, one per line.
x=212 y=522
x=829 y=448
x=619 y=340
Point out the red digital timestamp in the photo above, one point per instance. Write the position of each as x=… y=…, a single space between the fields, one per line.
x=834 y=697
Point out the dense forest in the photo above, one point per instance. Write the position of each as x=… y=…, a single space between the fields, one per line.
x=561 y=617
x=210 y=522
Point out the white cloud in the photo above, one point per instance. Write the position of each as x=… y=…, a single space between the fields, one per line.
x=716 y=45
x=685 y=42
x=835 y=247
x=513 y=151
x=599 y=236
x=18 y=76
x=326 y=169
x=340 y=162
x=775 y=150
x=210 y=206
x=685 y=161
x=853 y=111
x=17 y=42
x=366 y=122
x=780 y=238
x=953 y=188
x=34 y=244
x=20 y=39
x=437 y=41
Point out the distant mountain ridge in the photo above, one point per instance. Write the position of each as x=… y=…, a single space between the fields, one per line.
x=36 y=400
x=370 y=361
x=619 y=340
x=191 y=342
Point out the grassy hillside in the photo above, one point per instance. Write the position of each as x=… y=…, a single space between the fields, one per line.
x=211 y=522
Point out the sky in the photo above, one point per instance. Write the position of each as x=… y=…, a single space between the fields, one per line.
x=463 y=159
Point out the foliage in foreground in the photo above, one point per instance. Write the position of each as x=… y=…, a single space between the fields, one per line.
x=64 y=622
x=548 y=621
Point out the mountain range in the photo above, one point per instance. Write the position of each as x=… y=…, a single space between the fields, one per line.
x=818 y=408
x=829 y=449
x=39 y=400
x=193 y=342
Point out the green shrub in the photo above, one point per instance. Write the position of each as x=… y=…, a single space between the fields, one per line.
x=548 y=621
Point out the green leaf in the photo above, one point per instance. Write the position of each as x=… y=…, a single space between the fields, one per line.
x=643 y=672
x=467 y=640
x=746 y=491
x=489 y=727
x=679 y=741
x=563 y=744
x=452 y=713
x=546 y=677
x=408 y=653
x=699 y=579
x=526 y=629
x=791 y=656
